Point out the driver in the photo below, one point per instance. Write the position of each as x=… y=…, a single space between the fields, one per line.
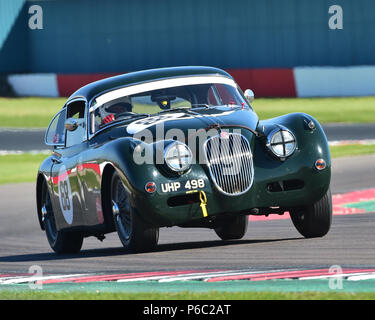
x=115 y=110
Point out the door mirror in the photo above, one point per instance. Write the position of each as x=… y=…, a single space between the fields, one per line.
x=71 y=124
x=249 y=95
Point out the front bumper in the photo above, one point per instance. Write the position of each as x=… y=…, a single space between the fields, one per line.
x=294 y=182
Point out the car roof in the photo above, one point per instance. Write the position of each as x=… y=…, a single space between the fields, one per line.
x=91 y=90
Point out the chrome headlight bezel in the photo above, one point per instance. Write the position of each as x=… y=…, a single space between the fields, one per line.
x=284 y=138
x=178 y=151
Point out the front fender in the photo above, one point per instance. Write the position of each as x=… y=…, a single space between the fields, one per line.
x=312 y=144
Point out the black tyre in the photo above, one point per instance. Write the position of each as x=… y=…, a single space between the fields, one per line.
x=60 y=241
x=235 y=228
x=135 y=234
x=314 y=220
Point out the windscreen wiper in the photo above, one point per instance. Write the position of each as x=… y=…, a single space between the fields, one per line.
x=201 y=105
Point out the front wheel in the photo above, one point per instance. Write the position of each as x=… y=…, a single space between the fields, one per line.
x=59 y=240
x=235 y=228
x=135 y=234
x=314 y=220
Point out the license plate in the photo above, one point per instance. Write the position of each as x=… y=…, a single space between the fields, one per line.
x=178 y=186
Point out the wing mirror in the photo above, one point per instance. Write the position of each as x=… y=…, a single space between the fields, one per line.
x=249 y=95
x=71 y=124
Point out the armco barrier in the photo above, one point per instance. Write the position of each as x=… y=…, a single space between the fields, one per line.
x=293 y=82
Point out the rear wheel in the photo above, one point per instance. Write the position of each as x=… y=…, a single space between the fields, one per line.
x=60 y=241
x=314 y=220
x=234 y=228
x=135 y=234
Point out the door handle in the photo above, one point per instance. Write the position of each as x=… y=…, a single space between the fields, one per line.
x=56 y=160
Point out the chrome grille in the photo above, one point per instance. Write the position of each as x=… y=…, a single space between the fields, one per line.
x=230 y=162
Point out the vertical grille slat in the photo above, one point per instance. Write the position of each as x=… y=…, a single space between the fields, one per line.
x=230 y=162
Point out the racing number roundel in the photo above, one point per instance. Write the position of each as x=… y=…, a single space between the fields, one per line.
x=65 y=195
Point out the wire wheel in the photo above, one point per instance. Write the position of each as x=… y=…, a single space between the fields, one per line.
x=48 y=216
x=121 y=208
x=135 y=234
x=61 y=241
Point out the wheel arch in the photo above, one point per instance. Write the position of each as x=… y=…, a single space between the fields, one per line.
x=108 y=171
x=39 y=188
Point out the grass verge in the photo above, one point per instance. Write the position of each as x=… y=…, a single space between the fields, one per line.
x=325 y=110
x=185 y=295
x=28 y=112
x=36 y=112
x=19 y=167
x=352 y=150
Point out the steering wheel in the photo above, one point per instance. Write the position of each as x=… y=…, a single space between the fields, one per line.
x=127 y=113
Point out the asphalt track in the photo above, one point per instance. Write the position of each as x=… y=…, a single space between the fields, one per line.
x=267 y=244
x=33 y=139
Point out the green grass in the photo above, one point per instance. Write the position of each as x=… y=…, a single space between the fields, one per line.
x=325 y=110
x=37 y=112
x=185 y=295
x=28 y=112
x=19 y=168
x=352 y=150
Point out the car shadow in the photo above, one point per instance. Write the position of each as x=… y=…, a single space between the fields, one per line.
x=161 y=248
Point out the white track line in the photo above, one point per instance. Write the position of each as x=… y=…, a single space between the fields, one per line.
x=336 y=275
x=362 y=277
x=16 y=152
x=152 y=278
x=17 y=280
x=205 y=276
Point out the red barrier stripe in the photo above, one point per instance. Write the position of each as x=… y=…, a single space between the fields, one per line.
x=69 y=83
x=266 y=82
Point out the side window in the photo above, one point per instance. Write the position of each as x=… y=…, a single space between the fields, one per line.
x=229 y=95
x=76 y=110
x=55 y=135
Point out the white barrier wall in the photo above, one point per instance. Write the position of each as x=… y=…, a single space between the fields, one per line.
x=334 y=81
x=308 y=82
x=44 y=85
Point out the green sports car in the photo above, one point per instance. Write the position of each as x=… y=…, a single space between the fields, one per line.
x=180 y=147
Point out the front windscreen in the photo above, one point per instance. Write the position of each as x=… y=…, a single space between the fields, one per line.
x=162 y=100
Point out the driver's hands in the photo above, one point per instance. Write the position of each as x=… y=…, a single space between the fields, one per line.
x=108 y=118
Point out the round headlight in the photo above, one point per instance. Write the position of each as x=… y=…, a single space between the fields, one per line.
x=281 y=142
x=178 y=156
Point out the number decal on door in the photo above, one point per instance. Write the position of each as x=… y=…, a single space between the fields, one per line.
x=65 y=195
